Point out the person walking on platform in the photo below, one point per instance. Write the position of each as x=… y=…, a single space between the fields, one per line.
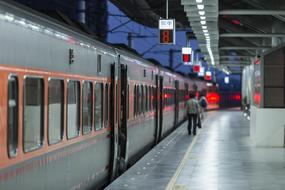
x=202 y=106
x=192 y=113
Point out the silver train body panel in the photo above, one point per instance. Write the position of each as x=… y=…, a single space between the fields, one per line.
x=32 y=41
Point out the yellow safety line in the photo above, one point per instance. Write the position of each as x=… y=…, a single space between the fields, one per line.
x=181 y=165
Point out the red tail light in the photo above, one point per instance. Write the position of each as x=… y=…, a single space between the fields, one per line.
x=237 y=97
x=213 y=97
x=167 y=96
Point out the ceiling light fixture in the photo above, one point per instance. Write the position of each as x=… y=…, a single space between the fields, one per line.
x=200 y=7
x=202 y=17
x=199 y=1
x=202 y=13
x=203 y=22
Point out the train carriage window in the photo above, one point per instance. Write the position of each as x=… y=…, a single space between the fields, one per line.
x=164 y=98
x=98 y=112
x=99 y=63
x=168 y=99
x=106 y=105
x=138 y=100
x=149 y=98
x=140 y=108
x=55 y=110
x=33 y=113
x=154 y=98
x=73 y=109
x=146 y=99
x=114 y=107
x=135 y=100
x=128 y=102
x=13 y=116
x=143 y=99
x=87 y=107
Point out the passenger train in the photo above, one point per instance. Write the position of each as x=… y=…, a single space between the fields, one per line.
x=76 y=112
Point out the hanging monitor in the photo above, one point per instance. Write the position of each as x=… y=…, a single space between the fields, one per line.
x=187 y=55
x=196 y=68
x=167 y=31
x=202 y=72
x=208 y=75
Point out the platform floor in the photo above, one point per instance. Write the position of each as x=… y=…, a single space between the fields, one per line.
x=220 y=157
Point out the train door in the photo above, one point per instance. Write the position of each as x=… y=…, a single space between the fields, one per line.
x=176 y=104
x=159 y=107
x=123 y=115
x=113 y=122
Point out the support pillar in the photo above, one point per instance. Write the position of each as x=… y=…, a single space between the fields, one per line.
x=81 y=11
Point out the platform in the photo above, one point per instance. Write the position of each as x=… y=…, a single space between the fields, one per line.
x=220 y=157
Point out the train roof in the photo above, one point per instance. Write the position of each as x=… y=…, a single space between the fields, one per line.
x=59 y=20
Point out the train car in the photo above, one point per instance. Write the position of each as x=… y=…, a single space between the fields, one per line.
x=76 y=112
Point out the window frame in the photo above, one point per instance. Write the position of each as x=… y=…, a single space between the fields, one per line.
x=16 y=78
x=128 y=101
x=99 y=63
x=62 y=107
x=146 y=98
x=106 y=104
x=138 y=100
x=101 y=84
x=79 y=110
x=42 y=133
x=135 y=100
x=82 y=107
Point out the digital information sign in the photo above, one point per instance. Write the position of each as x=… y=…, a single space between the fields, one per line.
x=202 y=72
x=208 y=75
x=186 y=55
x=196 y=68
x=167 y=31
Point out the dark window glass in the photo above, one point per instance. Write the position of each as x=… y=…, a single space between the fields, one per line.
x=149 y=98
x=99 y=63
x=154 y=98
x=55 y=111
x=106 y=105
x=73 y=109
x=13 y=116
x=117 y=95
x=98 y=107
x=33 y=113
x=135 y=100
x=164 y=98
x=87 y=107
x=140 y=102
x=128 y=102
x=146 y=99
x=142 y=99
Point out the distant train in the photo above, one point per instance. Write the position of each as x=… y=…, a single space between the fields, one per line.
x=76 y=112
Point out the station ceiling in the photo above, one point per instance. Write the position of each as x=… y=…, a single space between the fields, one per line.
x=239 y=29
